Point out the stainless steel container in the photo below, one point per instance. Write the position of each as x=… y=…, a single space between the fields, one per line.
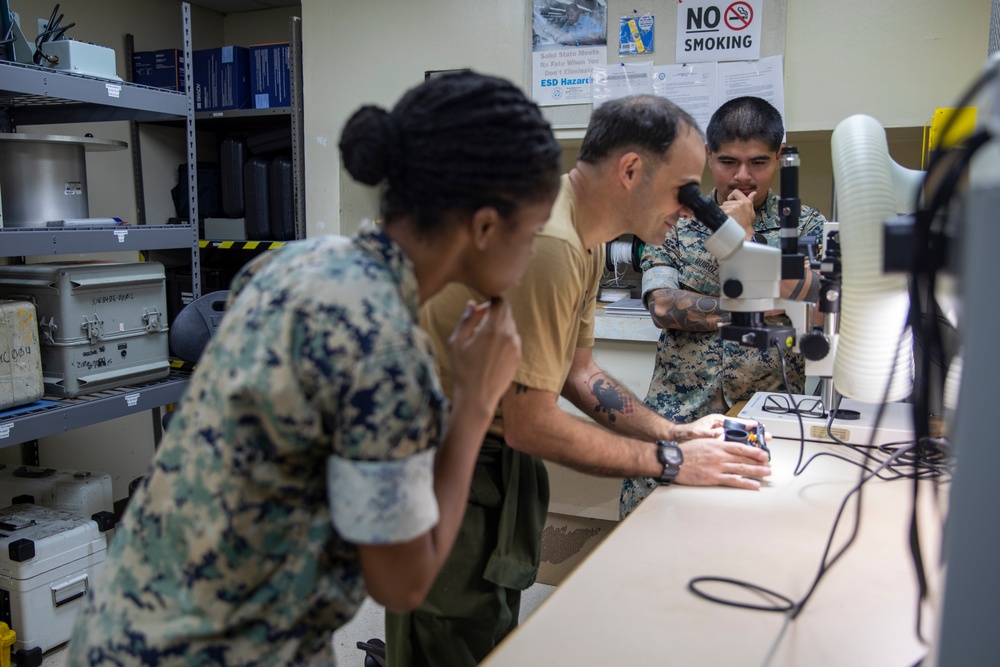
x=43 y=177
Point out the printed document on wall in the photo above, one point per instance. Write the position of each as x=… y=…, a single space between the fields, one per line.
x=693 y=87
x=614 y=81
x=567 y=40
x=760 y=78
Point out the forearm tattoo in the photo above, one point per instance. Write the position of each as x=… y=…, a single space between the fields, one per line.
x=807 y=288
x=688 y=311
x=610 y=398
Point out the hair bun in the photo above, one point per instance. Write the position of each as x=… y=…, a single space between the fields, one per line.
x=368 y=144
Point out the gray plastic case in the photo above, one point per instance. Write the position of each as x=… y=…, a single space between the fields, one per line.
x=101 y=324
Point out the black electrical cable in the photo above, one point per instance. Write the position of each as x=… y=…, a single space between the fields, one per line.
x=53 y=31
x=790 y=607
x=973 y=90
x=793 y=609
x=9 y=37
x=924 y=316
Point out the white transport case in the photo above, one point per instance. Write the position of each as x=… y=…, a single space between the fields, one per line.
x=101 y=324
x=78 y=491
x=48 y=561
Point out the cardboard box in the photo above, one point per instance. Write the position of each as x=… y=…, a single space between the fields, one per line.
x=270 y=76
x=160 y=69
x=221 y=78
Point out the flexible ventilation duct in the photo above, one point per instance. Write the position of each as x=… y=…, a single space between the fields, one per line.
x=871 y=188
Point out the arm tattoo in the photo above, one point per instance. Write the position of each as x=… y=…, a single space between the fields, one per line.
x=520 y=388
x=610 y=398
x=684 y=310
x=797 y=290
x=814 y=288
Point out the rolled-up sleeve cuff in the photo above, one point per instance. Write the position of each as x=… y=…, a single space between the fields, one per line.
x=659 y=277
x=382 y=502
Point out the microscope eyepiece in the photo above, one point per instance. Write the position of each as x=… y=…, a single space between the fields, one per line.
x=705 y=210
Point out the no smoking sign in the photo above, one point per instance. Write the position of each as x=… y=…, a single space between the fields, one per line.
x=738 y=15
x=708 y=30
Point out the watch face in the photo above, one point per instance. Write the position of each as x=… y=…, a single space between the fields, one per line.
x=673 y=455
x=669 y=454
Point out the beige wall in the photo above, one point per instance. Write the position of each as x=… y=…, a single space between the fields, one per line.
x=896 y=60
x=368 y=53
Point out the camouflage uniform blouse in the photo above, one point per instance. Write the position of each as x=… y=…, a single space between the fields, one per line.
x=697 y=373
x=309 y=426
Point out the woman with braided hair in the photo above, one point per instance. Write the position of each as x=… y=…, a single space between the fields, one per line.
x=314 y=456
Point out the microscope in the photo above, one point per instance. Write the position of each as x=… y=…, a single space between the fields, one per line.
x=750 y=275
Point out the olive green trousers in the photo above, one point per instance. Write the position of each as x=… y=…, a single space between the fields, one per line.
x=475 y=600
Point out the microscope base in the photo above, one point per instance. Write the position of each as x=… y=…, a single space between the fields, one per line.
x=896 y=424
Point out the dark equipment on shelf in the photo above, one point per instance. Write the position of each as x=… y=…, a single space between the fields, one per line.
x=256 y=204
x=232 y=155
x=195 y=325
x=209 y=191
x=268 y=142
x=281 y=199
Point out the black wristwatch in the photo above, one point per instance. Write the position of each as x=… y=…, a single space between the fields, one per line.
x=670 y=455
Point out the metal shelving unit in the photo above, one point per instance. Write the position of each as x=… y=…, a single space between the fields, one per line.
x=244 y=119
x=237 y=121
x=38 y=95
x=58 y=415
x=55 y=241
x=35 y=95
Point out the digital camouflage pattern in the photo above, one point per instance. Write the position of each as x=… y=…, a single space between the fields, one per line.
x=696 y=372
x=229 y=553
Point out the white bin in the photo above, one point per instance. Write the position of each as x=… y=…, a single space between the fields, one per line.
x=48 y=560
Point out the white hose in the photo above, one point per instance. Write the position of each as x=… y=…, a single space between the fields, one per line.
x=871 y=187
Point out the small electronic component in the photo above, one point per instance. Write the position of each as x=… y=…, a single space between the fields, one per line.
x=753 y=436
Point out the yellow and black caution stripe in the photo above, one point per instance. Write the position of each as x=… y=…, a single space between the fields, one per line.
x=241 y=245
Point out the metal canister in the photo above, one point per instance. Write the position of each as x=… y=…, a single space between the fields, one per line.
x=43 y=177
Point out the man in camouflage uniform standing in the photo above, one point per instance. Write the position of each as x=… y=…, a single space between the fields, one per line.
x=697 y=372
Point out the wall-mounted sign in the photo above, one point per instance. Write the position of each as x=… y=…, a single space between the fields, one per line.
x=714 y=30
x=568 y=38
x=636 y=35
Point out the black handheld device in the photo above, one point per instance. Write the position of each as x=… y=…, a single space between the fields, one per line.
x=752 y=436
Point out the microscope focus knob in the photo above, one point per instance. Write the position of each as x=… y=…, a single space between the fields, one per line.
x=814 y=345
x=732 y=288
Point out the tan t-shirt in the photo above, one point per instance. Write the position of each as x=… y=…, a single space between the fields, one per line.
x=553 y=306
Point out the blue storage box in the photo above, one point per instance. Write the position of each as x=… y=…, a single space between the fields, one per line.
x=270 y=78
x=160 y=69
x=221 y=78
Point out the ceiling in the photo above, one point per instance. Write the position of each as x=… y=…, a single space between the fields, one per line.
x=230 y=6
